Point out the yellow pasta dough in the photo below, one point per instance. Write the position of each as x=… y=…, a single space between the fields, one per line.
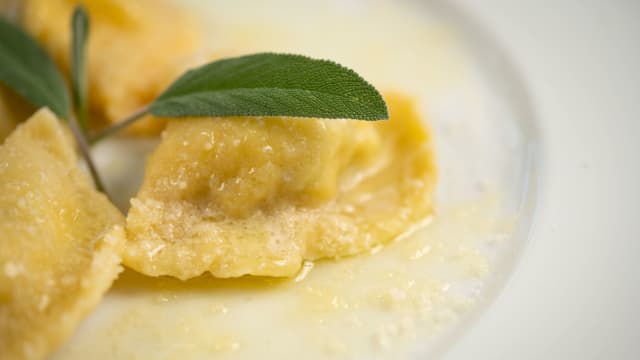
x=59 y=240
x=136 y=48
x=237 y=196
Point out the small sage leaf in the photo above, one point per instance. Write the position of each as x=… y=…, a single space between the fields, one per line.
x=268 y=84
x=80 y=34
x=27 y=69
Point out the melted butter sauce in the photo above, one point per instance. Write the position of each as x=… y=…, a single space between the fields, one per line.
x=369 y=306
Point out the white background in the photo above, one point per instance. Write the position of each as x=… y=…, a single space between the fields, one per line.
x=576 y=291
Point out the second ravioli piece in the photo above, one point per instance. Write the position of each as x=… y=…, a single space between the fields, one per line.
x=135 y=50
x=59 y=244
x=257 y=196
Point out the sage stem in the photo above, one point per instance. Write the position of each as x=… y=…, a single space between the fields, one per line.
x=85 y=151
x=118 y=126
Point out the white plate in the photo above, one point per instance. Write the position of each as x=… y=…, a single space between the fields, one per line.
x=488 y=146
x=576 y=292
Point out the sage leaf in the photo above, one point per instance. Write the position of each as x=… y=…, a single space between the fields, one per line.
x=80 y=34
x=27 y=69
x=269 y=84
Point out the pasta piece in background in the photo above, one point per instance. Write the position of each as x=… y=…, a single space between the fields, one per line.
x=135 y=50
x=13 y=110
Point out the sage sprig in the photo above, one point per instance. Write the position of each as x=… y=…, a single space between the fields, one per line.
x=269 y=84
x=265 y=84
x=27 y=69
x=78 y=121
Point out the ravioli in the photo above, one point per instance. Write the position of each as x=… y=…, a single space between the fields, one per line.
x=135 y=50
x=60 y=240
x=257 y=196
